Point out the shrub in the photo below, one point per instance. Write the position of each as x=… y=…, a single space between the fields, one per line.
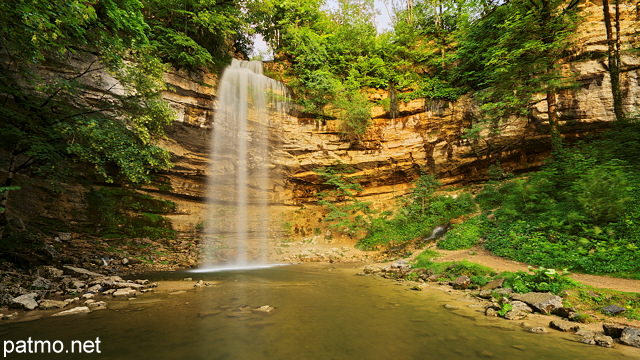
x=462 y=236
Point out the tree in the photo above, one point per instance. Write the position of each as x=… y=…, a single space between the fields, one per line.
x=613 y=55
x=53 y=123
x=197 y=33
x=515 y=53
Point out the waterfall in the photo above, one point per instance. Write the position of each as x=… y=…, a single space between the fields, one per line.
x=237 y=220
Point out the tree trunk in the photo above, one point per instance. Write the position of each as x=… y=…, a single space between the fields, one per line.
x=613 y=55
x=554 y=129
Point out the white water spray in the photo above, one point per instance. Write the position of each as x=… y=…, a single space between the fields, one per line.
x=238 y=217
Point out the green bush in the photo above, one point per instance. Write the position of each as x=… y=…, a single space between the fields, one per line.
x=462 y=236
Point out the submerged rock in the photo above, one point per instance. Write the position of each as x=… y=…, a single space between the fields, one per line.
x=75 y=310
x=51 y=304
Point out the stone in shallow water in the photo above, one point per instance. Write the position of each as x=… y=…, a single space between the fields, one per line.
x=630 y=336
x=27 y=302
x=51 y=304
x=563 y=325
x=545 y=303
x=75 y=310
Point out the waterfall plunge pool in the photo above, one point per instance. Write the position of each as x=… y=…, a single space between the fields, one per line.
x=321 y=312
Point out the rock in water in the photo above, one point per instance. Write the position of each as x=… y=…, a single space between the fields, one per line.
x=545 y=303
x=27 y=302
x=563 y=325
x=630 y=336
x=51 y=304
x=462 y=282
x=75 y=310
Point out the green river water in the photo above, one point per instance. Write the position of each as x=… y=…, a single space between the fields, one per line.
x=323 y=312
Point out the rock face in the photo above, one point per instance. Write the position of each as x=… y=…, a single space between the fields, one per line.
x=427 y=134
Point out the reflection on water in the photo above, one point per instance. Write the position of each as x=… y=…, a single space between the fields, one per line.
x=321 y=313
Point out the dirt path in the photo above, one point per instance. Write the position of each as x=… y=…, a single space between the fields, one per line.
x=484 y=257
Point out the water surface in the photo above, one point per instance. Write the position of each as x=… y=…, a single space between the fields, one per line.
x=321 y=312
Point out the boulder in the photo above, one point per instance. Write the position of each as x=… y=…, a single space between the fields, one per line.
x=603 y=340
x=27 y=301
x=73 y=311
x=41 y=284
x=462 y=282
x=493 y=284
x=515 y=314
x=613 y=309
x=76 y=271
x=51 y=304
x=545 y=303
x=613 y=330
x=539 y=330
x=563 y=325
x=265 y=309
x=124 y=292
x=519 y=305
x=630 y=336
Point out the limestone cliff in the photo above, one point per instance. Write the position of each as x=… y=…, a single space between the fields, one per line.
x=427 y=134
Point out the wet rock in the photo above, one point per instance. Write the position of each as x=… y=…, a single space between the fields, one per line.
x=613 y=330
x=142 y=282
x=485 y=294
x=462 y=282
x=630 y=336
x=124 y=292
x=51 y=304
x=76 y=271
x=545 y=303
x=73 y=311
x=568 y=313
x=586 y=336
x=490 y=311
x=563 y=325
x=265 y=309
x=539 y=330
x=95 y=305
x=64 y=236
x=521 y=306
x=51 y=252
x=493 y=284
x=503 y=291
x=50 y=272
x=613 y=309
x=370 y=270
x=603 y=340
x=27 y=301
x=515 y=314
x=41 y=283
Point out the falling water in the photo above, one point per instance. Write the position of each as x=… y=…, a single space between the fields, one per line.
x=238 y=217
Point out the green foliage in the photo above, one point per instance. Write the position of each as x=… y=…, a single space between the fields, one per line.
x=118 y=212
x=196 y=33
x=47 y=126
x=418 y=217
x=541 y=280
x=504 y=309
x=345 y=212
x=462 y=236
x=579 y=212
